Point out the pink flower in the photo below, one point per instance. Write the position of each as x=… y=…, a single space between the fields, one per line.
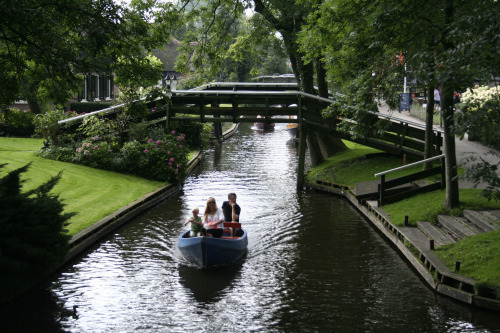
x=150 y=140
x=155 y=146
x=173 y=132
x=171 y=159
x=180 y=146
x=77 y=150
x=146 y=151
x=96 y=147
x=158 y=142
x=168 y=152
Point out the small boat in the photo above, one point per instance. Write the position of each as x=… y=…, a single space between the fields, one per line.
x=293 y=128
x=207 y=252
x=263 y=126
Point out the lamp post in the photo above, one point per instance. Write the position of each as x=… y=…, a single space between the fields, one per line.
x=170 y=83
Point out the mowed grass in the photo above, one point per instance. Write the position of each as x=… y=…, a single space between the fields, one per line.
x=352 y=166
x=479 y=258
x=91 y=193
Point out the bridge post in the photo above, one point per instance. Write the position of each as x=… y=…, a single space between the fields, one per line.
x=167 y=118
x=302 y=148
x=217 y=125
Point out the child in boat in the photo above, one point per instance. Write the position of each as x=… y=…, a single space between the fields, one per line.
x=196 y=224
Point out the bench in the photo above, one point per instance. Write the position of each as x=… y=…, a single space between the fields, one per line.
x=230 y=227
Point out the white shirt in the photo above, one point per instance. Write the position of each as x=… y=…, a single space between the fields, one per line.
x=218 y=215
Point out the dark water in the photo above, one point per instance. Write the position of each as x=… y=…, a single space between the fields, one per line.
x=313 y=265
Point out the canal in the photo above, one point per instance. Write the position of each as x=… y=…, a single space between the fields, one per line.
x=314 y=264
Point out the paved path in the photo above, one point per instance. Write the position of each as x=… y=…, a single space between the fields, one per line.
x=464 y=148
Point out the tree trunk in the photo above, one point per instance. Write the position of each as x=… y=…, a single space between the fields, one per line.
x=321 y=78
x=314 y=148
x=452 y=195
x=429 y=133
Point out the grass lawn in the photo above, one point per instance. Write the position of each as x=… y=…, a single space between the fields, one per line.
x=479 y=255
x=92 y=193
x=352 y=166
x=479 y=258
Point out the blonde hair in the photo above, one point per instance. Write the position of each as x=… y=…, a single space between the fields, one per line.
x=207 y=208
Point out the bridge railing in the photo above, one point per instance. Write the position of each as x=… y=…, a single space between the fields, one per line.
x=232 y=102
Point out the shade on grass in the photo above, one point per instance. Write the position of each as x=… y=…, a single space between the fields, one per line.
x=479 y=258
x=352 y=166
x=91 y=193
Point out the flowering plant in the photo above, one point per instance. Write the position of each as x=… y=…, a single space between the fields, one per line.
x=96 y=154
x=479 y=114
x=162 y=159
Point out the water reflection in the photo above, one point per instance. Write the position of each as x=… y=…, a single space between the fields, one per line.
x=208 y=285
x=313 y=264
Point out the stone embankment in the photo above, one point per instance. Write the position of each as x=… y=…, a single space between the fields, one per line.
x=416 y=244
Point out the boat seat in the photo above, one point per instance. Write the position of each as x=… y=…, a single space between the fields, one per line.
x=233 y=225
x=229 y=228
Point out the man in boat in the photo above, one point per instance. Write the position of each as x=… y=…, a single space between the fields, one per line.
x=232 y=211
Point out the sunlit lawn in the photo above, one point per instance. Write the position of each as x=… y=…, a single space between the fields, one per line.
x=92 y=193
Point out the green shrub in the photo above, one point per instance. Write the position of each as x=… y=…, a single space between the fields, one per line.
x=95 y=154
x=47 y=126
x=162 y=159
x=58 y=153
x=16 y=122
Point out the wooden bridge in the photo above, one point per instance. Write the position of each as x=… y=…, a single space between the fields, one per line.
x=276 y=103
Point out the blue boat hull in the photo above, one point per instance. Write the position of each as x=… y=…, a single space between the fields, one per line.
x=207 y=252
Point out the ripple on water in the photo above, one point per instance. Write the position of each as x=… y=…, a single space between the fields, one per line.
x=313 y=263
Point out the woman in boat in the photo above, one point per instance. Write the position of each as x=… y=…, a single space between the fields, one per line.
x=213 y=219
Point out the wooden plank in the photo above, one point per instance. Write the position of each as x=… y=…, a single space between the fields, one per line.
x=434 y=233
x=456 y=226
x=416 y=237
x=415 y=176
x=480 y=220
x=411 y=192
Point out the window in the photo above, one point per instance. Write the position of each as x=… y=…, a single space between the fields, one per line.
x=96 y=88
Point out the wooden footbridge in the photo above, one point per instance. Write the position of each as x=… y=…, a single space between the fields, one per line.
x=276 y=103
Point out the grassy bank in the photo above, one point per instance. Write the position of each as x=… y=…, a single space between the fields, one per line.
x=91 y=193
x=479 y=255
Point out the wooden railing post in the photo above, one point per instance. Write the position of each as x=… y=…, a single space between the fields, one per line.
x=443 y=173
x=381 y=190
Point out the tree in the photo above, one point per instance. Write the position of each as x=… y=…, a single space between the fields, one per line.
x=45 y=45
x=450 y=43
x=33 y=241
x=215 y=20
